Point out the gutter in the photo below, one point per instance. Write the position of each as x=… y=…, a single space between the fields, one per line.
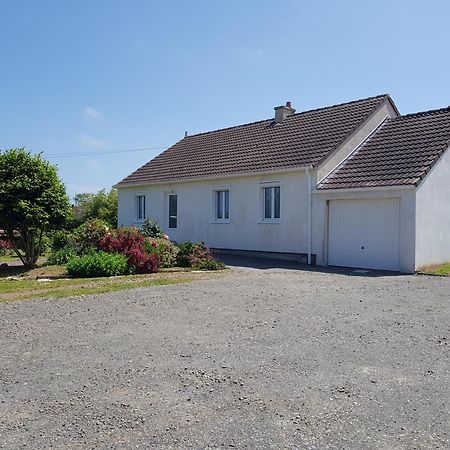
x=213 y=177
x=307 y=169
x=367 y=189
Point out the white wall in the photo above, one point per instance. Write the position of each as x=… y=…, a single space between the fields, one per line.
x=407 y=221
x=433 y=215
x=245 y=230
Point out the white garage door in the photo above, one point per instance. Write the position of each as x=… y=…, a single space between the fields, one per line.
x=364 y=233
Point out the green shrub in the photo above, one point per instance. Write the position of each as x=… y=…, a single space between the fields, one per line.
x=165 y=248
x=152 y=229
x=87 y=236
x=98 y=264
x=60 y=239
x=46 y=244
x=210 y=264
x=184 y=254
x=61 y=256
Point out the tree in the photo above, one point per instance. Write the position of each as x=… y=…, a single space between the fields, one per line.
x=33 y=201
x=102 y=205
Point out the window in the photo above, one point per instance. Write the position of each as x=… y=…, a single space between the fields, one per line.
x=140 y=207
x=222 y=204
x=271 y=203
x=173 y=210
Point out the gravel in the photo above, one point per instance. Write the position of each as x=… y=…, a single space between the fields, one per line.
x=251 y=358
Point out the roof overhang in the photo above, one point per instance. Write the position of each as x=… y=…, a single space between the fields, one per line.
x=215 y=177
x=405 y=187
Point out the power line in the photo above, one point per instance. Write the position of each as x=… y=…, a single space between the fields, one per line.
x=100 y=153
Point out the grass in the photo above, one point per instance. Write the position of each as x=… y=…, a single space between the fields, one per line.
x=18 y=289
x=436 y=269
x=8 y=258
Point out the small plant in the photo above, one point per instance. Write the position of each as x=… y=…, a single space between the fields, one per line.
x=152 y=229
x=98 y=264
x=61 y=256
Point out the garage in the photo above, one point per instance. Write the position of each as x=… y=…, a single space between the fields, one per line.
x=364 y=233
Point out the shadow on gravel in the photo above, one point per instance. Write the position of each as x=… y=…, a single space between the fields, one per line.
x=267 y=264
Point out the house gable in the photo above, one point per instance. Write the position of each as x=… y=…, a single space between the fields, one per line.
x=334 y=159
x=400 y=153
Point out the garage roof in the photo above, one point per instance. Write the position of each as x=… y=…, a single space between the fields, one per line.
x=401 y=152
x=300 y=140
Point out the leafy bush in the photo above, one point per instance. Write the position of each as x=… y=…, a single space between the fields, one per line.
x=88 y=236
x=201 y=257
x=210 y=264
x=61 y=256
x=167 y=249
x=184 y=254
x=98 y=264
x=46 y=244
x=198 y=256
x=152 y=229
x=131 y=243
x=60 y=239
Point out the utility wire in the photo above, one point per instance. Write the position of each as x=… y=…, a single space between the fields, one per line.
x=100 y=153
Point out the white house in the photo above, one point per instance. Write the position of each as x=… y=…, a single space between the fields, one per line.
x=353 y=185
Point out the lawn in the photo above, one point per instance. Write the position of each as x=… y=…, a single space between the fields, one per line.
x=9 y=258
x=436 y=269
x=18 y=288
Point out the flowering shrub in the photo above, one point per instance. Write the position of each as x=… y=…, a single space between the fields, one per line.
x=167 y=249
x=198 y=256
x=152 y=229
x=131 y=243
x=89 y=235
x=202 y=258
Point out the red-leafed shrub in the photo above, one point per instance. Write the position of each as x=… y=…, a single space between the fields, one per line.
x=131 y=243
x=4 y=244
x=5 y=247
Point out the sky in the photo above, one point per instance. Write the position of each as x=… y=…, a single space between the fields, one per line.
x=102 y=77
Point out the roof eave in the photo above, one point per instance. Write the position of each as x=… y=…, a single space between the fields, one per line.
x=396 y=187
x=216 y=177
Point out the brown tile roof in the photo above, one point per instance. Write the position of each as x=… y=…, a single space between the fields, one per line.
x=400 y=153
x=302 y=139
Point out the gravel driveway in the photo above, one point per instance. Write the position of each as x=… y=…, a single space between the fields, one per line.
x=251 y=358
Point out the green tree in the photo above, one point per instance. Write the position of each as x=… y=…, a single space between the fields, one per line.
x=102 y=205
x=33 y=200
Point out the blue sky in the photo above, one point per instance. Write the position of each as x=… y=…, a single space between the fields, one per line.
x=106 y=75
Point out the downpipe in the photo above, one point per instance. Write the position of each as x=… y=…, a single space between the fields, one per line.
x=309 y=215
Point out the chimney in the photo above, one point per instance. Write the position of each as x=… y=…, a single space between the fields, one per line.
x=281 y=112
